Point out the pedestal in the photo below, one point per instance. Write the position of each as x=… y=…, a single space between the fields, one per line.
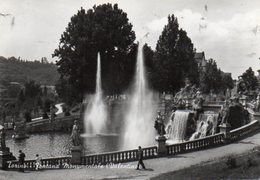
x=76 y=155
x=162 y=150
x=225 y=128
x=5 y=155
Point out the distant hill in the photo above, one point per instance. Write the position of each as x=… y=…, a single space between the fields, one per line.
x=16 y=70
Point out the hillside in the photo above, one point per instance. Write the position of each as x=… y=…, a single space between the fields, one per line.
x=12 y=69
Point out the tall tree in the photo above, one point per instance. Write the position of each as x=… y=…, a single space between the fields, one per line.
x=213 y=79
x=210 y=79
x=104 y=29
x=174 y=58
x=250 y=80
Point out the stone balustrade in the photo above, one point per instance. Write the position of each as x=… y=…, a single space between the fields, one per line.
x=244 y=130
x=149 y=152
x=48 y=163
x=118 y=156
x=197 y=144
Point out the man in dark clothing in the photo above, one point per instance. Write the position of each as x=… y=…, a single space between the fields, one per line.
x=21 y=160
x=140 y=158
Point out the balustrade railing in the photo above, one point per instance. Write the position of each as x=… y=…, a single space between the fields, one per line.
x=48 y=163
x=149 y=152
x=244 y=130
x=195 y=144
x=118 y=156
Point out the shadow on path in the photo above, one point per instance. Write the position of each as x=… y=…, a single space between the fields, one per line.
x=179 y=156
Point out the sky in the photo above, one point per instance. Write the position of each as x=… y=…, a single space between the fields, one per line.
x=227 y=31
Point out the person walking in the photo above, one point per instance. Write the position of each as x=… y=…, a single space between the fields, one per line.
x=140 y=158
x=38 y=162
x=21 y=160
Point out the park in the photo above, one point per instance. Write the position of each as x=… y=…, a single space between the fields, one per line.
x=111 y=101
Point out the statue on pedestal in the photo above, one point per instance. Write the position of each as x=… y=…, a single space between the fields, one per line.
x=2 y=136
x=197 y=104
x=75 y=134
x=159 y=125
x=224 y=111
x=257 y=105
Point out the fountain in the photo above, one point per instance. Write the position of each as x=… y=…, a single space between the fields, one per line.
x=95 y=116
x=139 y=116
x=206 y=125
x=177 y=126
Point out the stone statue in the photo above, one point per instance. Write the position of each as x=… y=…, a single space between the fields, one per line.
x=197 y=104
x=75 y=134
x=159 y=125
x=242 y=86
x=224 y=111
x=2 y=136
x=257 y=105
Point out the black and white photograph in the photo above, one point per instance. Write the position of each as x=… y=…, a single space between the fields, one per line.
x=129 y=89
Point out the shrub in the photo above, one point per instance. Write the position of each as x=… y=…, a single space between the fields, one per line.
x=231 y=162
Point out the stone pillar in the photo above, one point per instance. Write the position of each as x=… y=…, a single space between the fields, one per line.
x=76 y=155
x=163 y=106
x=225 y=128
x=162 y=150
x=5 y=155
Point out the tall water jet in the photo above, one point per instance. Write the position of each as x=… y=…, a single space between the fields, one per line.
x=95 y=116
x=139 y=118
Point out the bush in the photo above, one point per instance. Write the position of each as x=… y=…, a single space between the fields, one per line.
x=250 y=162
x=257 y=150
x=231 y=162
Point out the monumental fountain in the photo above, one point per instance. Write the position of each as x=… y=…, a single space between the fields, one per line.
x=95 y=116
x=141 y=110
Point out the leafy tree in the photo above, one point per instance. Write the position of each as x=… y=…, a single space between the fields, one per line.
x=149 y=65
x=21 y=97
x=104 y=29
x=250 y=80
x=174 y=58
x=210 y=79
x=32 y=89
x=227 y=82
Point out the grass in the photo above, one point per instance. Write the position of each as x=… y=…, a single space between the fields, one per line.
x=245 y=166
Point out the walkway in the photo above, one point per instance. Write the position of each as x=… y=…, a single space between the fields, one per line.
x=154 y=166
x=59 y=111
x=59 y=107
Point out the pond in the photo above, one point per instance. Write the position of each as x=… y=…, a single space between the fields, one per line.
x=53 y=144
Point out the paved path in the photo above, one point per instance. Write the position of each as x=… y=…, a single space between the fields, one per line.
x=154 y=166
x=59 y=107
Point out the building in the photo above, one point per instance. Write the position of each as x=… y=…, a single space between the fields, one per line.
x=201 y=60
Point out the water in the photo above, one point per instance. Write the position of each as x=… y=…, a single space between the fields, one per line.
x=53 y=144
x=207 y=125
x=139 y=117
x=95 y=117
x=176 y=128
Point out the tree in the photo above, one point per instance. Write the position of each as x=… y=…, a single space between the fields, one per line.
x=32 y=89
x=104 y=29
x=149 y=65
x=210 y=79
x=174 y=58
x=250 y=80
x=227 y=81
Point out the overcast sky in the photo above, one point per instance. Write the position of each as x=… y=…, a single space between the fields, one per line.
x=226 y=30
